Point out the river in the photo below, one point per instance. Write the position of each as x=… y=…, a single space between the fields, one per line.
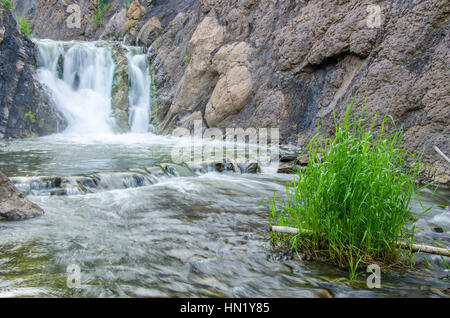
x=138 y=225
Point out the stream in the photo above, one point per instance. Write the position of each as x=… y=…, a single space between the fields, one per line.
x=137 y=224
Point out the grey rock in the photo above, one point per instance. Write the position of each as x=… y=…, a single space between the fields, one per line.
x=25 y=107
x=13 y=204
x=287 y=167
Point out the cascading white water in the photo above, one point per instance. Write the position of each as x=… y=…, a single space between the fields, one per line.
x=139 y=92
x=83 y=94
x=83 y=91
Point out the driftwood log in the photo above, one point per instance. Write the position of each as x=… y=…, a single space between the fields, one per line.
x=415 y=248
x=441 y=154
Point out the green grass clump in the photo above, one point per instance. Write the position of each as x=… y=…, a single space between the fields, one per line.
x=352 y=205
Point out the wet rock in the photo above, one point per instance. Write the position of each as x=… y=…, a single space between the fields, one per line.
x=438 y=229
x=13 y=204
x=219 y=166
x=25 y=107
x=288 y=158
x=60 y=67
x=252 y=167
x=287 y=167
x=57 y=181
x=229 y=166
x=181 y=170
x=87 y=184
x=59 y=192
x=223 y=166
x=119 y=101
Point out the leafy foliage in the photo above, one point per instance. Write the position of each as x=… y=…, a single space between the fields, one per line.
x=25 y=27
x=30 y=116
x=6 y=3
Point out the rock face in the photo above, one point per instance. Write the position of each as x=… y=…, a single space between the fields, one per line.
x=25 y=108
x=285 y=64
x=119 y=100
x=13 y=204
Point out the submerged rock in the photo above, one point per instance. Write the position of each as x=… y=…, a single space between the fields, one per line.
x=438 y=229
x=13 y=204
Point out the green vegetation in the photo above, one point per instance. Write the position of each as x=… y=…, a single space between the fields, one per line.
x=127 y=6
x=154 y=106
x=158 y=39
x=6 y=3
x=30 y=116
x=100 y=12
x=351 y=203
x=186 y=59
x=25 y=27
x=128 y=28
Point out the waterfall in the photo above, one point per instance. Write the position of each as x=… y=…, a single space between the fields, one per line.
x=139 y=91
x=79 y=77
x=82 y=88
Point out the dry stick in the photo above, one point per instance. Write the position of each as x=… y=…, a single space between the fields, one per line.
x=441 y=153
x=415 y=248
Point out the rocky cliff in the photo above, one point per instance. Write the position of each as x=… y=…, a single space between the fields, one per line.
x=286 y=64
x=25 y=109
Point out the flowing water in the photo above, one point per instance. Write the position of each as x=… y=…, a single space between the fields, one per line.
x=139 y=225
x=81 y=89
x=140 y=93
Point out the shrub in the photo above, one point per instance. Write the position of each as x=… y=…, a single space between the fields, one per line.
x=30 y=116
x=25 y=27
x=6 y=3
x=351 y=203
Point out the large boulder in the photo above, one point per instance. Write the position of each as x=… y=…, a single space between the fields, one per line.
x=149 y=31
x=234 y=86
x=13 y=204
